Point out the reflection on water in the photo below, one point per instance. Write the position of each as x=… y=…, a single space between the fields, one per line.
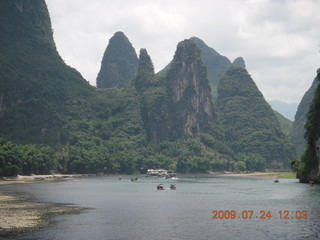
x=136 y=210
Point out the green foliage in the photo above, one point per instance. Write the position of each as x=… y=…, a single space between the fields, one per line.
x=298 y=129
x=250 y=125
x=250 y=162
x=145 y=76
x=119 y=64
x=212 y=142
x=285 y=124
x=241 y=166
x=309 y=166
x=59 y=123
x=26 y=159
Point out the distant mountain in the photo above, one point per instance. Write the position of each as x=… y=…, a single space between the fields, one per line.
x=119 y=64
x=288 y=110
x=216 y=64
x=250 y=124
x=239 y=62
x=298 y=129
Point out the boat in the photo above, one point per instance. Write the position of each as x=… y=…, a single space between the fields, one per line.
x=170 y=175
x=173 y=187
x=160 y=172
x=160 y=187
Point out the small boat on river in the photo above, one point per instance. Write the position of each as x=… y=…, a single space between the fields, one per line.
x=160 y=172
x=160 y=187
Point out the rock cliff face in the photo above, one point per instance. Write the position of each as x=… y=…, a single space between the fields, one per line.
x=178 y=103
x=119 y=64
x=189 y=90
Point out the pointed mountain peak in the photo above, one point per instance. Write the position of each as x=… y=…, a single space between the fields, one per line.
x=250 y=124
x=216 y=64
x=119 y=64
x=202 y=45
x=189 y=88
x=119 y=34
x=145 y=74
x=145 y=62
x=239 y=62
x=238 y=82
x=119 y=37
x=185 y=50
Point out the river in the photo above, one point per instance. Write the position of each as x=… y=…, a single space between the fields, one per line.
x=244 y=208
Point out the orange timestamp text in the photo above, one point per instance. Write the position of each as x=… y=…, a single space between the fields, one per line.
x=263 y=214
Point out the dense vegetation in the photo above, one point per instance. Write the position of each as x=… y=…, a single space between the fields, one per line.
x=308 y=165
x=119 y=63
x=52 y=120
x=250 y=124
x=285 y=124
x=298 y=130
x=36 y=85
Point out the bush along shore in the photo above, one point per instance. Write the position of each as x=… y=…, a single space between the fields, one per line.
x=21 y=213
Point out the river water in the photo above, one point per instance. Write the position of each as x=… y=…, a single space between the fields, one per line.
x=136 y=210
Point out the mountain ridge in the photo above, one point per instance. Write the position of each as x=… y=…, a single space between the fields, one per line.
x=151 y=121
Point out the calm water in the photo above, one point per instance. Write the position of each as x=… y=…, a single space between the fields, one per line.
x=136 y=210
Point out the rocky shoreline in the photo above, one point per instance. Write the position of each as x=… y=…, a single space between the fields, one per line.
x=42 y=178
x=20 y=213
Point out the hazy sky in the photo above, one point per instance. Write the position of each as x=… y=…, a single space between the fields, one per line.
x=278 y=39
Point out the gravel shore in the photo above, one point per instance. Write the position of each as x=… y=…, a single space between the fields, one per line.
x=21 y=213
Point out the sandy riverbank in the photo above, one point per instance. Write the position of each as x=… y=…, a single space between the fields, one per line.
x=290 y=175
x=41 y=178
x=21 y=213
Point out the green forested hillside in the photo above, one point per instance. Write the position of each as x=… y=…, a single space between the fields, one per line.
x=177 y=110
x=35 y=83
x=285 y=124
x=84 y=129
x=250 y=125
x=52 y=120
x=298 y=131
x=308 y=165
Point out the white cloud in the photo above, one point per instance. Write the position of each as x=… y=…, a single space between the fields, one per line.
x=279 y=40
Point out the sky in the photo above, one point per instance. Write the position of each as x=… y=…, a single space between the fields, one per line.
x=278 y=39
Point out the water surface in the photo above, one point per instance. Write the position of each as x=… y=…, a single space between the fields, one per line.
x=136 y=210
